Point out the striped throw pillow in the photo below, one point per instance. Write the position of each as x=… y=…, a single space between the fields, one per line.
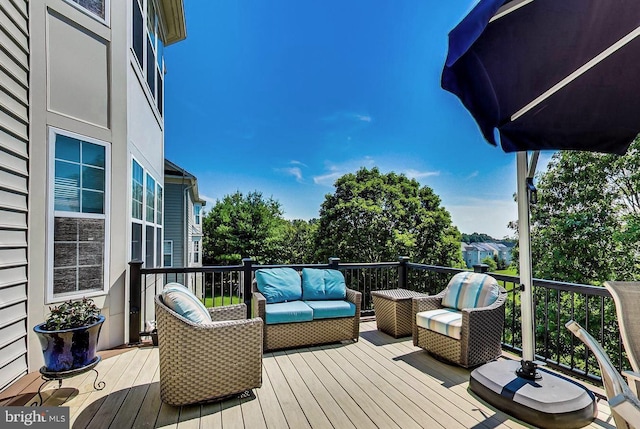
x=470 y=290
x=182 y=301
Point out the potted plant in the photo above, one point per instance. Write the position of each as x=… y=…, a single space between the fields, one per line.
x=69 y=336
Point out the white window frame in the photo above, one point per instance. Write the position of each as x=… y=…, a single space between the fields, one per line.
x=164 y=251
x=196 y=250
x=50 y=296
x=159 y=66
x=158 y=258
x=197 y=214
x=107 y=11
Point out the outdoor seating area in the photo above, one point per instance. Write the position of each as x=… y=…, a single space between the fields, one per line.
x=462 y=324
x=303 y=309
x=378 y=381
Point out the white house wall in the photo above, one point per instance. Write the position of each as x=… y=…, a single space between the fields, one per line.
x=14 y=176
x=78 y=84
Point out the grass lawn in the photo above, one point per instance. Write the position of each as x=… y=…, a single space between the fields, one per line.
x=219 y=300
x=508 y=272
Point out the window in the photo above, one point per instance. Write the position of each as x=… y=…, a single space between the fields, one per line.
x=196 y=250
x=196 y=213
x=78 y=209
x=96 y=8
x=168 y=253
x=148 y=48
x=146 y=217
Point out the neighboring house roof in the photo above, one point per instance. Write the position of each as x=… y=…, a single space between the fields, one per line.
x=172 y=15
x=174 y=174
x=484 y=247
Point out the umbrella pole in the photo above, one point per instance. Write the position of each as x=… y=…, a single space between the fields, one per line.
x=526 y=277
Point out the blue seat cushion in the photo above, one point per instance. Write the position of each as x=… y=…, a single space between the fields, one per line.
x=321 y=284
x=288 y=312
x=331 y=309
x=279 y=284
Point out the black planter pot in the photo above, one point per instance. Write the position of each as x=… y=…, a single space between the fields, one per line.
x=69 y=349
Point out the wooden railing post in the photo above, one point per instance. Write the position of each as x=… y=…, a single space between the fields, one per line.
x=135 y=299
x=402 y=272
x=246 y=279
x=334 y=263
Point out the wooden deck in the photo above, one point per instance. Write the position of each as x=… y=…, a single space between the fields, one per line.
x=378 y=382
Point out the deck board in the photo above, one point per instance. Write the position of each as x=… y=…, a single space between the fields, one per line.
x=378 y=381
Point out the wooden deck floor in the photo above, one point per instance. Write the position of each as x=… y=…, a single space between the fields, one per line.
x=378 y=382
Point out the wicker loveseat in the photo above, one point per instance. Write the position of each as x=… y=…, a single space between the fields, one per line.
x=462 y=324
x=314 y=307
x=207 y=360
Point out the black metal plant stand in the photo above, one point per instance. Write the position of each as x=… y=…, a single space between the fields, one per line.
x=48 y=376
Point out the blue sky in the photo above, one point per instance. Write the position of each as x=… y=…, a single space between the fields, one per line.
x=285 y=96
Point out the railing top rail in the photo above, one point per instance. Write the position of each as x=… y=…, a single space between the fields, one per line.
x=183 y=270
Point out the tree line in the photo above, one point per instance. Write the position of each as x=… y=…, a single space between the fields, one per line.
x=369 y=217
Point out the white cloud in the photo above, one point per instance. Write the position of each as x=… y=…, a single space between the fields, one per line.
x=295 y=162
x=327 y=179
x=348 y=116
x=472 y=175
x=415 y=174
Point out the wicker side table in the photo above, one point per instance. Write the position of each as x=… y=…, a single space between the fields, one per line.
x=393 y=311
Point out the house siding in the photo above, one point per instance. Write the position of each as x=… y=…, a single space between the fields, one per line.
x=14 y=177
x=174 y=213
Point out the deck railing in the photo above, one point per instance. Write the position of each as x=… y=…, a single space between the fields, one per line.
x=555 y=303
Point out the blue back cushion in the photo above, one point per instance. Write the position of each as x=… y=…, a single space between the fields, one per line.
x=322 y=284
x=182 y=301
x=279 y=284
x=471 y=290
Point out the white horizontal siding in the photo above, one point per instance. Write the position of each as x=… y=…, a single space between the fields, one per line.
x=14 y=186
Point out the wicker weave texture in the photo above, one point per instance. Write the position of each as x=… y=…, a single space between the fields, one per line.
x=321 y=331
x=393 y=317
x=205 y=362
x=481 y=333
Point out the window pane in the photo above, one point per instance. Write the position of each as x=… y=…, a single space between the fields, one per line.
x=93 y=178
x=138 y=32
x=150 y=247
x=151 y=68
x=136 y=191
x=151 y=199
x=160 y=53
x=92 y=202
x=67 y=174
x=160 y=90
x=93 y=154
x=159 y=216
x=66 y=199
x=78 y=247
x=97 y=7
x=136 y=241
x=67 y=148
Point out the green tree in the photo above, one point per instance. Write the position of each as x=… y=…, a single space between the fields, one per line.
x=299 y=242
x=491 y=263
x=240 y=226
x=586 y=225
x=374 y=217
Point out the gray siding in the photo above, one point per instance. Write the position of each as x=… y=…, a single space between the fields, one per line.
x=173 y=225
x=14 y=177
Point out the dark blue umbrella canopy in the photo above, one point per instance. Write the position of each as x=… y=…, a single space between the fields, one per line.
x=550 y=74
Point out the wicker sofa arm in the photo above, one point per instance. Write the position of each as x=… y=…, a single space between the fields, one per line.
x=228 y=312
x=258 y=305
x=354 y=297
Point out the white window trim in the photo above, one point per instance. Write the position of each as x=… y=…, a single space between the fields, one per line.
x=50 y=297
x=195 y=240
x=107 y=11
x=141 y=69
x=159 y=260
x=164 y=242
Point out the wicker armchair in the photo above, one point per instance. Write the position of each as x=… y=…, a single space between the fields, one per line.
x=203 y=362
x=480 y=331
